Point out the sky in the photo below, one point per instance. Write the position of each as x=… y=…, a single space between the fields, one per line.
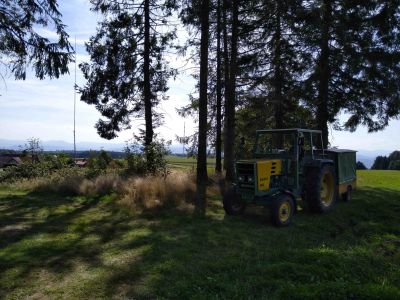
x=44 y=108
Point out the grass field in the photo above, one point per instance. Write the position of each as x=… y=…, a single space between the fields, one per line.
x=188 y=163
x=52 y=246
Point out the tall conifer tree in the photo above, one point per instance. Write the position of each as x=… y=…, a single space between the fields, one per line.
x=127 y=76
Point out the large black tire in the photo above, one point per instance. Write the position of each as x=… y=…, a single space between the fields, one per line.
x=282 y=210
x=347 y=195
x=233 y=203
x=320 y=188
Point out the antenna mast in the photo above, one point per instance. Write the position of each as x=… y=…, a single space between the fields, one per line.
x=75 y=106
x=184 y=137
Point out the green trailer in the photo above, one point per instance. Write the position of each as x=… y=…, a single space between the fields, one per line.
x=345 y=170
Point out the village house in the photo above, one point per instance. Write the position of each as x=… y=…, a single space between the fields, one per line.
x=8 y=161
x=81 y=163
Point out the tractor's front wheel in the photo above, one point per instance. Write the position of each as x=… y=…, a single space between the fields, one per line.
x=233 y=203
x=282 y=210
x=320 y=188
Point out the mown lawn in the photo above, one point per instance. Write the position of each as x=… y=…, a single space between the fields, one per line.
x=52 y=246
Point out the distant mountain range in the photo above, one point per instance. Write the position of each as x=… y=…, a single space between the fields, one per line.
x=365 y=156
x=80 y=146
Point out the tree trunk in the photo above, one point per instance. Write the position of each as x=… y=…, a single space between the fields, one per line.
x=230 y=99
x=324 y=73
x=278 y=101
x=202 y=140
x=147 y=95
x=226 y=62
x=218 y=140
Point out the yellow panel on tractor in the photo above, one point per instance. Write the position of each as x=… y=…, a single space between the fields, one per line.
x=266 y=169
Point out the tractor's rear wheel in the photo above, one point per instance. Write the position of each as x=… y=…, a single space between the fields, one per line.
x=320 y=188
x=282 y=210
x=233 y=203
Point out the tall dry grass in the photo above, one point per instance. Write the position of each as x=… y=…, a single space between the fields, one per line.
x=152 y=192
x=101 y=185
x=178 y=188
x=138 y=193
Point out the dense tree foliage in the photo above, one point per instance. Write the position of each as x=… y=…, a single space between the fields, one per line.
x=394 y=159
x=355 y=65
x=381 y=163
x=271 y=66
x=391 y=162
x=23 y=43
x=360 y=166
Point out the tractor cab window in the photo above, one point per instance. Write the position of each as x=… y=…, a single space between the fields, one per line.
x=275 y=143
x=316 y=141
x=305 y=145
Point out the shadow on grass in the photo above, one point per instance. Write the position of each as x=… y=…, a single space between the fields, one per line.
x=90 y=248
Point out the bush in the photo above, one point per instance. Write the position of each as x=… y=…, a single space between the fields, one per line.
x=26 y=171
x=156 y=153
x=63 y=181
x=103 y=160
x=32 y=169
x=98 y=163
x=57 y=162
x=150 y=159
x=135 y=159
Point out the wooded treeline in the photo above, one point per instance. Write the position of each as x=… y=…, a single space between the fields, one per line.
x=391 y=162
x=295 y=64
x=263 y=64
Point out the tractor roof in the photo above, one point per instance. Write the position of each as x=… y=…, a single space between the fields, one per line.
x=290 y=130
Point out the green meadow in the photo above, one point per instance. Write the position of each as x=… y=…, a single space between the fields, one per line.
x=54 y=246
x=188 y=163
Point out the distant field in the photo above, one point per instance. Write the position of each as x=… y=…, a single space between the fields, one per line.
x=188 y=163
x=386 y=179
x=58 y=247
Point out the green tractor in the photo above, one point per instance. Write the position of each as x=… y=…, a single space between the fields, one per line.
x=290 y=165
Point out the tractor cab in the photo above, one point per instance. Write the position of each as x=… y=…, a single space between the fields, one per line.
x=286 y=164
x=295 y=144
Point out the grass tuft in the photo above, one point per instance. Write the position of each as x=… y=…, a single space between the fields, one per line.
x=153 y=192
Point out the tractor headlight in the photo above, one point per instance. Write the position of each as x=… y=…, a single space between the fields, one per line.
x=240 y=178
x=250 y=179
